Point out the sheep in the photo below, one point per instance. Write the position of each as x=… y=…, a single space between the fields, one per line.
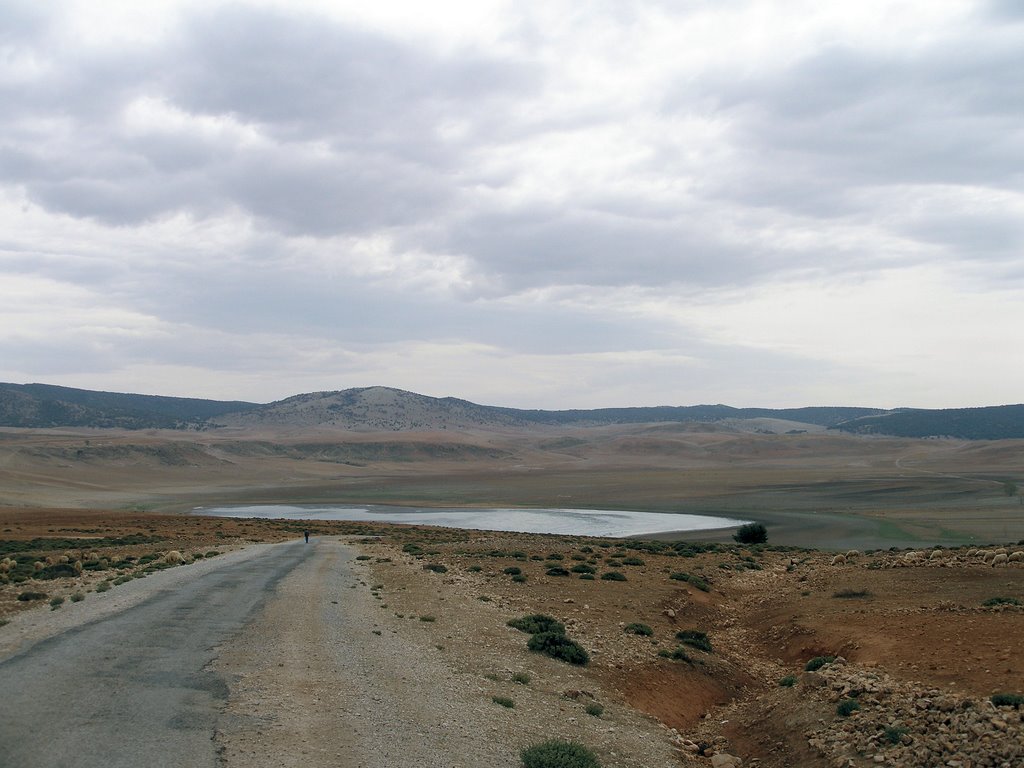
x=1016 y=557
x=839 y=560
x=78 y=566
x=852 y=554
x=1002 y=551
x=173 y=557
x=972 y=553
x=38 y=566
x=987 y=558
x=999 y=560
x=937 y=554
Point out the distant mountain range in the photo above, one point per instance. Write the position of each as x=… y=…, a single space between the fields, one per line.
x=385 y=409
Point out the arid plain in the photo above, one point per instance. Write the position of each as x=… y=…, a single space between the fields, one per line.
x=923 y=642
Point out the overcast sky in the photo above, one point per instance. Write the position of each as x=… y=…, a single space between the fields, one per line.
x=533 y=204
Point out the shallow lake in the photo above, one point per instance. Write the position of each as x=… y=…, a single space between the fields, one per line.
x=569 y=522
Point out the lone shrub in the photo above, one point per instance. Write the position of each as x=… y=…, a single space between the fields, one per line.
x=56 y=603
x=679 y=654
x=595 y=709
x=632 y=560
x=1014 y=700
x=696 y=581
x=557 y=571
x=474 y=569
x=103 y=586
x=512 y=570
x=504 y=701
x=788 y=681
x=582 y=568
x=850 y=593
x=558 y=646
x=637 y=628
x=77 y=597
x=558 y=754
x=818 y=662
x=695 y=638
x=994 y=601
x=521 y=677
x=613 y=576
x=436 y=568
x=536 y=623
x=847 y=707
x=519 y=578
x=26 y=597
x=894 y=734
x=751 y=533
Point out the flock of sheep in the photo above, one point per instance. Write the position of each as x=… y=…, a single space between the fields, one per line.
x=993 y=557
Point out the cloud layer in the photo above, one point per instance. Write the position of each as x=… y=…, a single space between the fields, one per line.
x=541 y=205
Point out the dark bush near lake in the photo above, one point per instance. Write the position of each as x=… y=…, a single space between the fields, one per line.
x=751 y=533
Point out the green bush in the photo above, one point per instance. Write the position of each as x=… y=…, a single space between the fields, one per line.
x=613 y=576
x=679 y=654
x=504 y=701
x=512 y=571
x=436 y=568
x=632 y=560
x=696 y=581
x=536 y=623
x=1014 y=700
x=521 y=677
x=558 y=646
x=847 y=707
x=474 y=569
x=993 y=601
x=818 y=662
x=57 y=571
x=581 y=568
x=77 y=597
x=556 y=571
x=103 y=586
x=363 y=557
x=26 y=597
x=428 y=618
x=850 y=593
x=788 y=681
x=56 y=603
x=558 y=754
x=519 y=578
x=587 y=576
x=694 y=638
x=636 y=628
x=751 y=533
x=595 y=709
x=556 y=556
x=894 y=734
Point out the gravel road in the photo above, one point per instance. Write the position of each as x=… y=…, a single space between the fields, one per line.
x=133 y=688
x=285 y=655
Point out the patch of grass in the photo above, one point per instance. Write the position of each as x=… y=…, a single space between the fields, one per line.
x=536 y=623
x=77 y=597
x=519 y=578
x=695 y=638
x=818 y=662
x=894 y=734
x=696 y=581
x=636 y=628
x=851 y=593
x=847 y=707
x=594 y=709
x=994 y=601
x=504 y=701
x=613 y=576
x=558 y=754
x=558 y=646
x=56 y=603
x=103 y=586
x=1014 y=700
x=788 y=681
x=521 y=677
x=679 y=654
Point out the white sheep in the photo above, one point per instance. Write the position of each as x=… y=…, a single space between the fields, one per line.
x=173 y=557
x=987 y=557
x=852 y=554
x=937 y=554
x=839 y=560
x=999 y=560
x=1016 y=557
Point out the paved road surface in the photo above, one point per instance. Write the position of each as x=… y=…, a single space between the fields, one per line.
x=133 y=689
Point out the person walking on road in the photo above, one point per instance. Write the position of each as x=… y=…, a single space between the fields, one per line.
x=306 y=534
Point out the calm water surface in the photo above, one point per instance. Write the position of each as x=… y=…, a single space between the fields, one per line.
x=569 y=522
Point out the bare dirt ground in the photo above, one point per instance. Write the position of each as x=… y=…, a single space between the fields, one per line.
x=919 y=650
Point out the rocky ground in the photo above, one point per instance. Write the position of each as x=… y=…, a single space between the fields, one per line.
x=920 y=644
